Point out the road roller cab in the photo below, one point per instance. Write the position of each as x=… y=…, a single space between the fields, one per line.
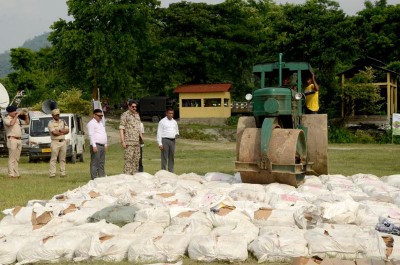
x=279 y=143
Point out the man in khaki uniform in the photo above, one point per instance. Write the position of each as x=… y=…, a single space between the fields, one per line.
x=14 y=144
x=57 y=128
x=129 y=131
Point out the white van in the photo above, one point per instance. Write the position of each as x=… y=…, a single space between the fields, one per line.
x=39 y=137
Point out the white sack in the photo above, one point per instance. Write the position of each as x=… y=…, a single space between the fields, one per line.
x=288 y=200
x=188 y=215
x=392 y=180
x=276 y=217
x=274 y=189
x=210 y=248
x=312 y=185
x=18 y=215
x=248 y=192
x=219 y=218
x=370 y=211
x=100 y=202
x=111 y=248
x=167 y=248
x=247 y=230
x=206 y=199
x=80 y=216
x=154 y=214
x=150 y=229
x=15 y=229
x=217 y=176
x=279 y=244
x=343 y=212
x=334 y=241
x=189 y=229
x=308 y=216
x=53 y=249
x=10 y=245
x=372 y=244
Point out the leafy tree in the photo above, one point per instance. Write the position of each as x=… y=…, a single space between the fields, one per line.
x=207 y=43
x=360 y=96
x=23 y=59
x=100 y=47
x=36 y=73
x=378 y=30
x=394 y=66
x=71 y=101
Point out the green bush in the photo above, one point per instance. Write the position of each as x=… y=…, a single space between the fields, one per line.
x=195 y=134
x=363 y=137
x=71 y=101
x=232 y=120
x=340 y=135
x=386 y=137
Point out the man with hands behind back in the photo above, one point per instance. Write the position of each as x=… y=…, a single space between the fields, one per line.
x=98 y=144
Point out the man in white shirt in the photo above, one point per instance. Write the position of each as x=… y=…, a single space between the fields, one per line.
x=167 y=132
x=98 y=144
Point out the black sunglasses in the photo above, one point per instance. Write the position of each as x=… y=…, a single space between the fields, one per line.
x=100 y=116
x=133 y=107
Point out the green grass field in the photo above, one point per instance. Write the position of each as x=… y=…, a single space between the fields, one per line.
x=191 y=156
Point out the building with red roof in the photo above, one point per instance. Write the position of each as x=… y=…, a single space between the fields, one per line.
x=210 y=102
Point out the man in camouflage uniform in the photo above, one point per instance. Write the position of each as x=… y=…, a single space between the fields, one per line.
x=129 y=131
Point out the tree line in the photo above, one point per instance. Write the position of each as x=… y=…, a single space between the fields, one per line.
x=133 y=48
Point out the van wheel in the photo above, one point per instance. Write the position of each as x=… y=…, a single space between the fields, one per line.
x=31 y=160
x=81 y=158
x=73 y=157
x=155 y=119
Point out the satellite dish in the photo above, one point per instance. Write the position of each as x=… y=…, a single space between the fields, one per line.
x=248 y=97
x=4 y=98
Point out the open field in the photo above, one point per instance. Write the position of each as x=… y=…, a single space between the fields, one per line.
x=192 y=156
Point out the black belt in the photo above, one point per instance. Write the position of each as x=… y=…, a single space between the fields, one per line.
x=59 y=140
x=100 y=144
x=171 y=139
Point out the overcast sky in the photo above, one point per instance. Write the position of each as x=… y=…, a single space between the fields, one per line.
x=21 y=20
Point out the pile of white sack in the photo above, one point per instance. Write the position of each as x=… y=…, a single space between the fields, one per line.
x=163 y=217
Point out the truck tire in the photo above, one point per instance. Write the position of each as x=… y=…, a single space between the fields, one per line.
x=155 y=119
x=73 y=157
x=81 y=158
x=30 y=159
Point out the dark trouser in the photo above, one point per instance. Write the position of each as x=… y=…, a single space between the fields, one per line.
x=141 y=160
x=308 y=111
x=167 y=154
x=97 y=161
